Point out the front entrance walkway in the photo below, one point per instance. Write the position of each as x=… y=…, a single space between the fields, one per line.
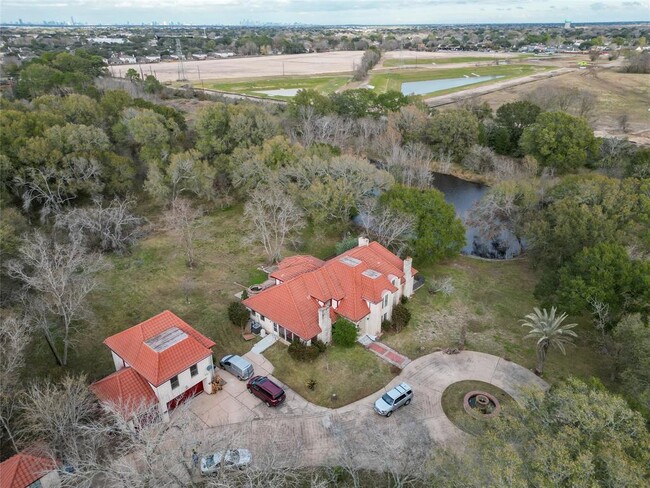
x=264 y=344
x=386 y=353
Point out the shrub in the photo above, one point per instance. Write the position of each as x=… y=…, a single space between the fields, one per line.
x=297 y=350
x=244 y=295
x=346 y=244
x=344 y=333
x=320 y=345
x=302 y=352
x=386 y=325
x=404 y=299
x=401 y=316
x=238 y=314
x=311 y=384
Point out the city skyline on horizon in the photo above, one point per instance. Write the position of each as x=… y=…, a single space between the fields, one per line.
x=322 y=13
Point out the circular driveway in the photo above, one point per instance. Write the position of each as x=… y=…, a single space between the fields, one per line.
x=315 y=429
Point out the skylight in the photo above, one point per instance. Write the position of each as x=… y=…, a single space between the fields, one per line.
x=350 y=261
x=371 y=273
x=166 y=339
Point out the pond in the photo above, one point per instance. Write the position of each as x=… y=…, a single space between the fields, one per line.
x=463 y=195
x=430 y=86
x=280 y=92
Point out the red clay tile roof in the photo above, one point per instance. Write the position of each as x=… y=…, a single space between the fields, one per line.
x=24 y=468
x=158 y=367
x=289 y=305
x=294 y=303
x=124 y=389
x=294 y=266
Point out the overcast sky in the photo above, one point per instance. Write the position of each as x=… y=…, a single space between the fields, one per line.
x=324 y=11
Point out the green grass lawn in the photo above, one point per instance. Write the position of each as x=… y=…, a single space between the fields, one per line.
x=389 y=63
x=453 y=404
x=453 y=60
x=252 y=86
x=154 y=278
x=490 y=297
x=350 y=373
x=383 y=82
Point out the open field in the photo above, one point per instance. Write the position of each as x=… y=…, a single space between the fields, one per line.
x=399 y=58
x=490 y=297
x=393 y=80
x=251 y=67
x=616 y=94
x=323 y=84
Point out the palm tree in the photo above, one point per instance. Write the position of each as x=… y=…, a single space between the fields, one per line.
x=549 y=331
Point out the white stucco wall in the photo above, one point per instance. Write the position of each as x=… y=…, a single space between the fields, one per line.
x=165 y=393
x=51 y=480
x=118 y=362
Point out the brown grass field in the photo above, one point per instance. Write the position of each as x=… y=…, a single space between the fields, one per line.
x=251 y=67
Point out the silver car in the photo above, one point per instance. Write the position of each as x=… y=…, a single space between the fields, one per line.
x=231 y=459
x=390 y=401
x=237 y=366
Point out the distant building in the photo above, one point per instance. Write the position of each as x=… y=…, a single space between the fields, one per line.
x=107 y=40
x=567 y=24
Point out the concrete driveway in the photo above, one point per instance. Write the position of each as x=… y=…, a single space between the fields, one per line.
x=312 y=427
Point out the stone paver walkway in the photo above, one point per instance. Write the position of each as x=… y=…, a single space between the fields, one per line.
x=316 y=430
x=386 y=353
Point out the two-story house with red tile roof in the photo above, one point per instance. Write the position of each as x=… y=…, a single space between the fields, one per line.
x=361 y=285
x=30 y=468
x=161 y=361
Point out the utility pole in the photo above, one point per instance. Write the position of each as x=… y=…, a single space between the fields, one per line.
x=181 y=68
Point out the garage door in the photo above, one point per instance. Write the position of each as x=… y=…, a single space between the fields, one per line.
x=192 y=392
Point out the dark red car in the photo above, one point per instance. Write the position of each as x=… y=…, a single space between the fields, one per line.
x=266 y=390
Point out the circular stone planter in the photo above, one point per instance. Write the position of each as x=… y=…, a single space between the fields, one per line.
x=483 y=399
x=255 y=289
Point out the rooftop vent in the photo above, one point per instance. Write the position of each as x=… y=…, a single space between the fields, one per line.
x=371 y=273
x=166 y=339
x=350 y=261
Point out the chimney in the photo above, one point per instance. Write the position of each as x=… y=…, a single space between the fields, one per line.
x=325 y=323
x=408 y=278
x=363 y=241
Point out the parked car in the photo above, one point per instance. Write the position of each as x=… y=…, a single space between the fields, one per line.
x=266 y=390
x=231 y=459
x=237 y=366
x=390 y=401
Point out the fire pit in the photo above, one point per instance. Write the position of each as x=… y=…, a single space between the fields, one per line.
x=481 y=404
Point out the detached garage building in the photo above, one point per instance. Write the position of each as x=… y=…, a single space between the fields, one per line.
x=163 y=360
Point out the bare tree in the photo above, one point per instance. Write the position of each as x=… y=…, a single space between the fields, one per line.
x=391 y=229
x=400 y=451
x=53 y=187
x=14 y=338
x=59 y=414
x=183 y=219
x=274 y=220
x=111 y=227
x=600 y=313
x=58 y=277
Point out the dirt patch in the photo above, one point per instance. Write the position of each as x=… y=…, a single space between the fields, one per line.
x=250 y=67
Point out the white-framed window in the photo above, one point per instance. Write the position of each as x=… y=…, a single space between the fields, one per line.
x=174 y=382
x=275 y=327
x=194 y=370
x=386 y=300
